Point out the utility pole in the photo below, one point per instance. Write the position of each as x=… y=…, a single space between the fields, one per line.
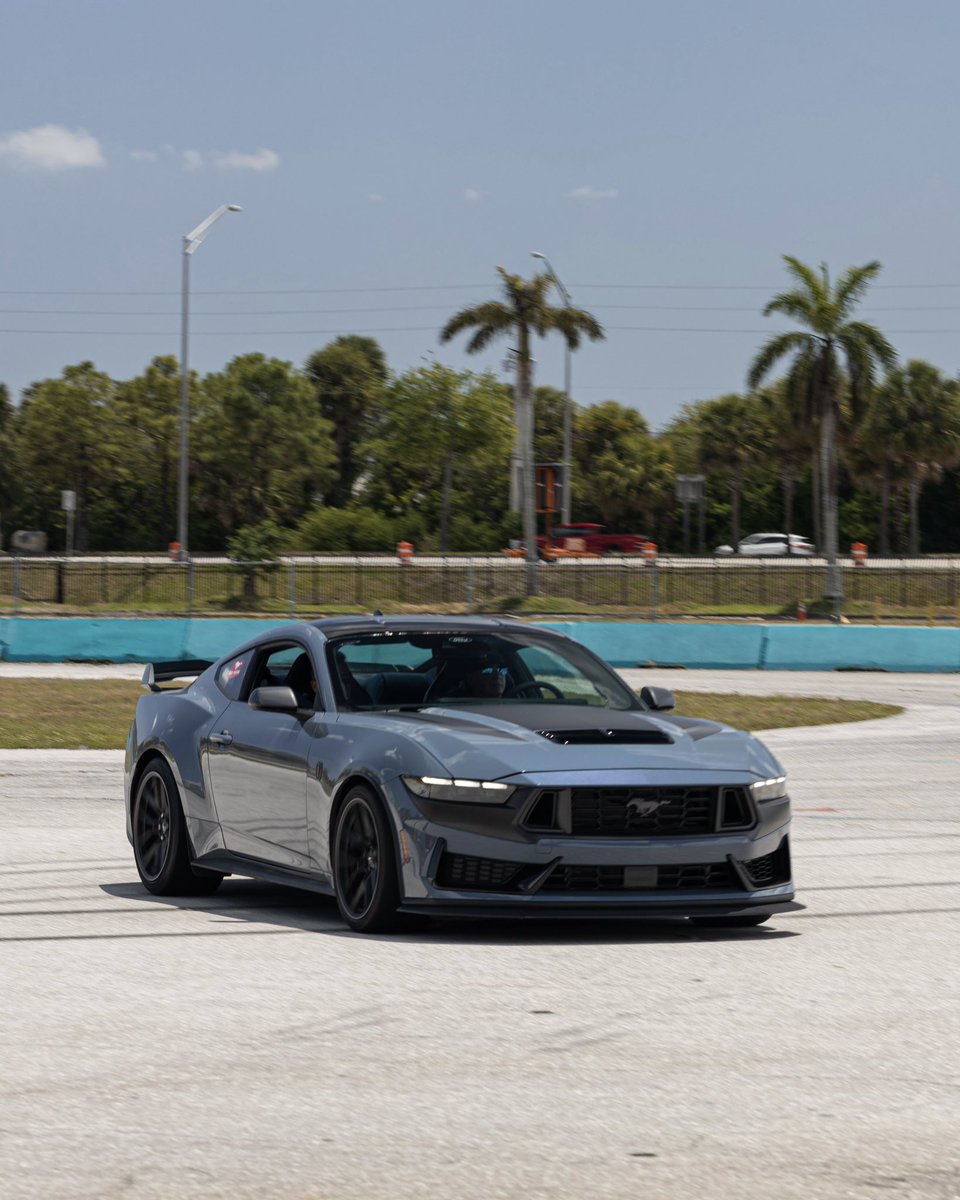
x=565 y=466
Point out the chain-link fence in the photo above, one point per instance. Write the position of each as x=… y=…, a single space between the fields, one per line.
x=881 y=590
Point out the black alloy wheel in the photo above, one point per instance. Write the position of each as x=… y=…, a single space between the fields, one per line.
x=365 y=865
x=160 y=844
x=152 y=826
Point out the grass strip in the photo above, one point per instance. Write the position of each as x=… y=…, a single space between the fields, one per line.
x=95 y=714
x=778 y=712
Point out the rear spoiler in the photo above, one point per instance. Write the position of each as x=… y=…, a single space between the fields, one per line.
x=163 y=672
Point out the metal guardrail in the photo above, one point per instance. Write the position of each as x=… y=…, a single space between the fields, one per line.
x=884 y=589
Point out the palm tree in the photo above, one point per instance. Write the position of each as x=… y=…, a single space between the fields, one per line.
x=831 y=352
x=522 y=312
x=913 y=425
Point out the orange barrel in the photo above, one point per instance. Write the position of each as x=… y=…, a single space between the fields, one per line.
x=404 y=552
x=650 y=552
x=859 y=552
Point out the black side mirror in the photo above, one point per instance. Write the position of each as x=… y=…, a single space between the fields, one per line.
x=658 y=699
x=277 y=699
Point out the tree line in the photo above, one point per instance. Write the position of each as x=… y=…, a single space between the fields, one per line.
x=343 y=454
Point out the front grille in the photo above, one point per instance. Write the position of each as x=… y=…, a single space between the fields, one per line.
x=607 y=737
x=772 y=869
x=688 y=876
x=643 y=812
x=477 y=874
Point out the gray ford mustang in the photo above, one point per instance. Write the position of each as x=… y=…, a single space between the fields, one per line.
x=450 y=765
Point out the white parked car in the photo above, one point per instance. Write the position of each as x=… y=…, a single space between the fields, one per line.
x=772 y=545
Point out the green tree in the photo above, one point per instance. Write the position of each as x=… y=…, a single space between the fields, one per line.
x=830 y=351
x=440 y=433
x=622 y=475
x=8 y=470
x=59 y=446
x=141 y=453
x=731 y=435
x=913 y=429
x=349 y=375
x=262 y=449
x=522 y=313
x=254 y=548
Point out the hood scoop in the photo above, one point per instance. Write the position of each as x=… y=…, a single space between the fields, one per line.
x=607 y=737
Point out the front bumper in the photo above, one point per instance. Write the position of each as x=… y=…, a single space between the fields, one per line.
x=449 y=866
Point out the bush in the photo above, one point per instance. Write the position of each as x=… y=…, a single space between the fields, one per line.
x=474 y=536
x=344 y=530
x=255 y=543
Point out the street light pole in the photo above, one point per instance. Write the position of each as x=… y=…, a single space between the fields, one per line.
x=565 y=498
x=191 y=242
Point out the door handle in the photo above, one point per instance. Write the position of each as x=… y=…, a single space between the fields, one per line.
x=221 y=739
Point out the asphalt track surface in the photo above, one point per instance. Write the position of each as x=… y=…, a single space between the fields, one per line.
x=247 y=1045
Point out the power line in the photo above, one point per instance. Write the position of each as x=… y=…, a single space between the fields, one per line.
x=457 y=287
x=169 y=333
x=439 y=287
x=260 y=312
x=296 y=312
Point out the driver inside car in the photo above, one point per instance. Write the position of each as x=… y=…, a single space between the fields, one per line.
x=486 y=680
x=478 y=676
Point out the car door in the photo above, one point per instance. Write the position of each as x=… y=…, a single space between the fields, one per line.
x=257 y=767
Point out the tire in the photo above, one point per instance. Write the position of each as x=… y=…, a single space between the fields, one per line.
x=745 y=922
x=365 y=865
x=161 y=848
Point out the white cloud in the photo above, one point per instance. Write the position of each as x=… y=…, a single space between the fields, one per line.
x=144 y=155
x=260 y=160
x=51 y=148
x=192 y=160
x=374 y=197
x=592 y=193
x=472 y=195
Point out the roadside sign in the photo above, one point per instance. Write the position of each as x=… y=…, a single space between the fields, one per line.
x=689 y=488
x=68 y=501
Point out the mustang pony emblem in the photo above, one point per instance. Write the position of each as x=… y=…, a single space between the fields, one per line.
x=644 y=808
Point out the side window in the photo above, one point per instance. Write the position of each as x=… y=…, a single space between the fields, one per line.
x=231 y=675
x=285 y=666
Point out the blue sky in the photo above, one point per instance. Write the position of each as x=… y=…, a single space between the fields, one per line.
x=663 y=155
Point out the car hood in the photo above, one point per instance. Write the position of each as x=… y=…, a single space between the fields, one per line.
x=476 y=744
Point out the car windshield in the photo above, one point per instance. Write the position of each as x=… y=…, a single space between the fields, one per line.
x=409 y=670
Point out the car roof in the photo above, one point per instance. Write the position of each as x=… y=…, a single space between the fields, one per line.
x=328 y=627
x=333 y=626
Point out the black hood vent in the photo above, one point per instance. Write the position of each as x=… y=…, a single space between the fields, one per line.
x=607 y=737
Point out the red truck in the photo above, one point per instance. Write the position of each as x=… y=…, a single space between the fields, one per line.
x=592 y=539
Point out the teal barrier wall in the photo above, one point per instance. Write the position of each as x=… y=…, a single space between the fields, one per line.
x=835 y=647
x=637 y=644
x=88 y=639
x=621 y=643
x=770 y=647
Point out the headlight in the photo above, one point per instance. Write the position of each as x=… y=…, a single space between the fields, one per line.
x=470 y=791
x=769 y=789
